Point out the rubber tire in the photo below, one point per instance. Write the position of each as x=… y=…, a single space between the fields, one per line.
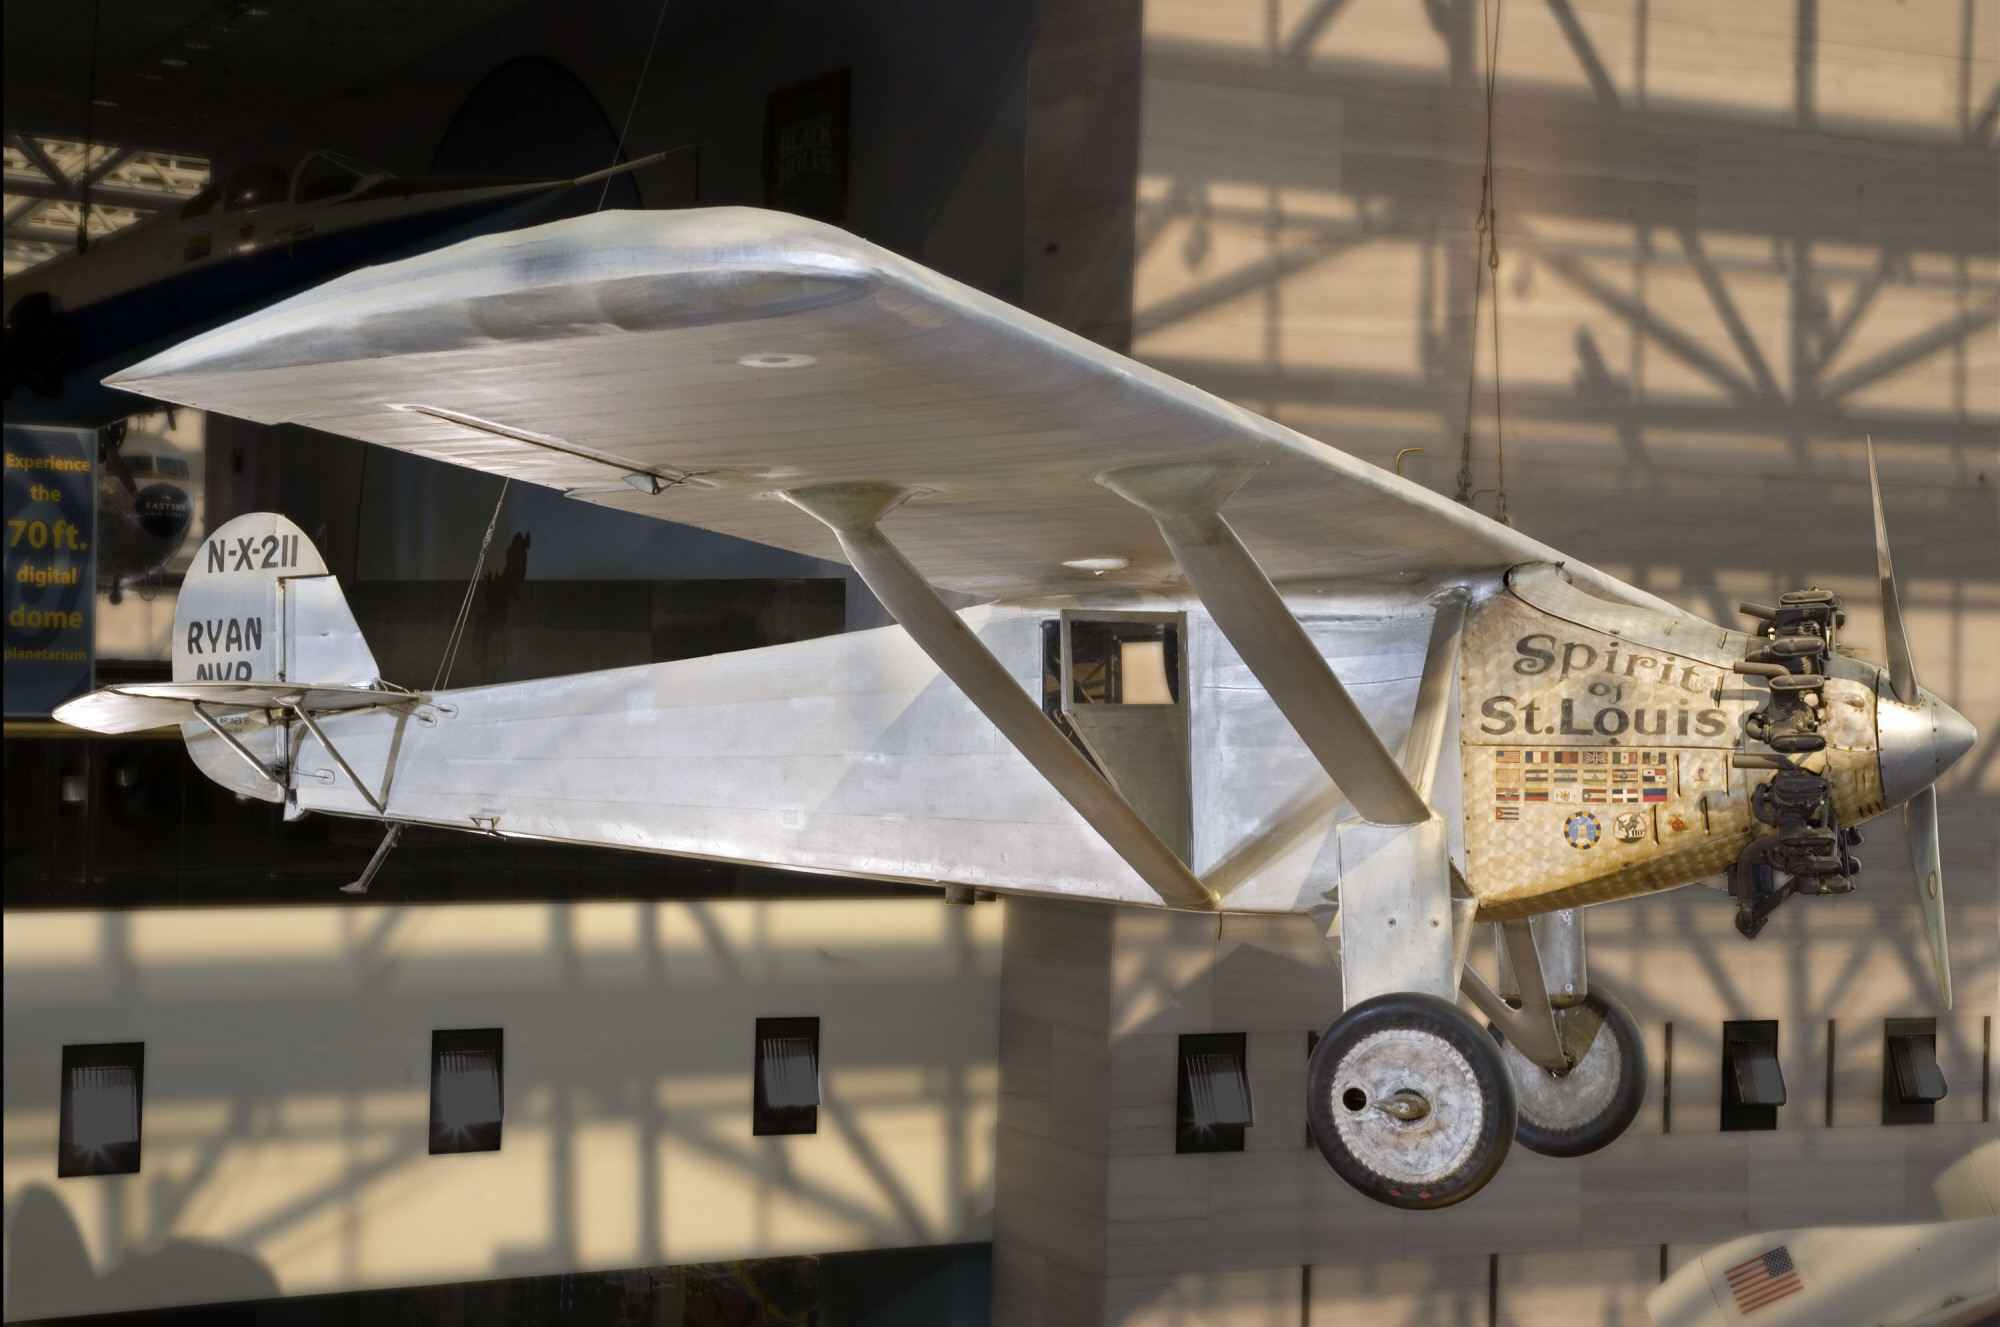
x=1423 y=1013
x=1618 y=1114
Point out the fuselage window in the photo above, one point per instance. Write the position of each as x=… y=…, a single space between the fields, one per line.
x=325 y=177
x=254 y=186
x=1124 y=663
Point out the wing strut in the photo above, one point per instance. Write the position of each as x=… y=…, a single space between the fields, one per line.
x=1185 y=498
x=851 y=512
x=338 y=759
x=1426 y=740
x=229 y=740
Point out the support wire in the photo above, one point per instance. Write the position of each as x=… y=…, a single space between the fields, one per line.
x=619 y=149
x=1487 y=229
x=465 y=607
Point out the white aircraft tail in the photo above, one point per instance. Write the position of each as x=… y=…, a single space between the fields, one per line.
x=262 y=630
x=259 y=606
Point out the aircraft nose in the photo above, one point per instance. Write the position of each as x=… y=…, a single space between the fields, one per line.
x=1918 y=743
x=1952 y=734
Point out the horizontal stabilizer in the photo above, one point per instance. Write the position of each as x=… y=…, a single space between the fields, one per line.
x=136 y=706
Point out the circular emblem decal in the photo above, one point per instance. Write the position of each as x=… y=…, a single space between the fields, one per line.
x=1629 y=826
x=1582 y=830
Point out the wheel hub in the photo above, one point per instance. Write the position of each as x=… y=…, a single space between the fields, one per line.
x=1573 y=1099
x=1407 y=1105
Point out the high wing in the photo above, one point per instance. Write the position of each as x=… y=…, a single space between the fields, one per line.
x=691 y=365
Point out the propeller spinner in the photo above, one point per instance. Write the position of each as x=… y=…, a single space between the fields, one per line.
x=1918 y=738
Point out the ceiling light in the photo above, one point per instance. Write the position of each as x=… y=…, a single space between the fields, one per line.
x=1098 y=566
x=171 y=63
x=776 y=359
x=149 y=76
x=199 y=46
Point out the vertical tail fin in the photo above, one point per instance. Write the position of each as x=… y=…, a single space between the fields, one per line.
x=261 y=630
x=259 y=606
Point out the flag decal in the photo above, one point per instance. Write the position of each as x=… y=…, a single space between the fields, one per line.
x=1764 y=1279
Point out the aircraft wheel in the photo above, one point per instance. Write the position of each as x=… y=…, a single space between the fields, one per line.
x=1573 y=1114
x=1409 y=1102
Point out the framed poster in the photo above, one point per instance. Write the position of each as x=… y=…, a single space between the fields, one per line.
x=51 y=567
x=805 y=148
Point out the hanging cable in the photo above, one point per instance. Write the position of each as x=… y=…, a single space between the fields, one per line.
x=1493 y=260
x=89 y=136
x=465 y=608
x=1472 y=350
x=1487 y=234
x=619 y=150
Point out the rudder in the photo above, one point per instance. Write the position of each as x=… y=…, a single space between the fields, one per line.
x=258 y=605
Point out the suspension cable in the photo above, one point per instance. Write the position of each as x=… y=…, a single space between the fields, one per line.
x=89 y=135
x=1487 y=232
x=465 y=607
x=618 y=150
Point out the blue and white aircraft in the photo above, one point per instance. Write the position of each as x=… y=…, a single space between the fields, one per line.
x=260 y=235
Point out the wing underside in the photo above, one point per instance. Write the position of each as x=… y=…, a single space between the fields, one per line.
x=692 y=365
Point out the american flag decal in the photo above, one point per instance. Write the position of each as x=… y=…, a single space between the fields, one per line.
x=1764 y=1279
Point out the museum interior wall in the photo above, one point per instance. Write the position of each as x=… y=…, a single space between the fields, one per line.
x=287 y=1091
x=1101 y=1218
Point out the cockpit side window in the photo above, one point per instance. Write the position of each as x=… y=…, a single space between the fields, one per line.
x=202 y=203
x=1124 y=663
x=326 y=176
x=254 y=186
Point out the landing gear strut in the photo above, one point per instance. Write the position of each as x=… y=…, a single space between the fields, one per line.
x=1586 y=1106
x=1574 y=1052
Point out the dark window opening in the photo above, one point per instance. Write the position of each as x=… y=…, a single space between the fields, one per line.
x=1912 y=1082
x=103 y=1090
x=1124 y=663
x=1753 y=1086
x=1212 y=1103
x=326 y=177
x=787 y=1076
x=254 y=186
x=1111 y=663
x=466 y=1084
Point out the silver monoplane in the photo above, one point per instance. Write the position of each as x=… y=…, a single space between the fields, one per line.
x=1223 y=666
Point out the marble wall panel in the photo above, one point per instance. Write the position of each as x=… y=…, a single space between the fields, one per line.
x=1583 y=1287
x=1158 y=1213
x=1162 y=977
x=1249 y=1297
x=1079 y=159
x=1452 y=1291
x=1145 y=1085
x=1798 y=1177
